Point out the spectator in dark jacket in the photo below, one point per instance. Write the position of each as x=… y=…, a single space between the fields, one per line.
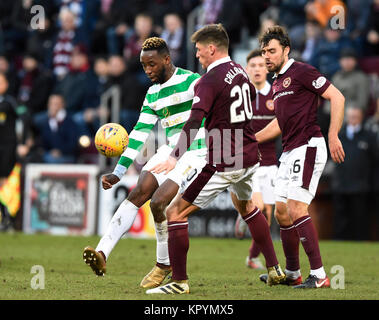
x=8 y=136
x=35 y=84
x=78 y=86
x=42 y=41
x=132 y=93
x=89 y=119
x=351 y=179
x=227 y=12
x=59 y=133
x=327 y=53
x=292 y=16
x=175 y=36
x=372 y=37
x=372 y=125
x=351 y=81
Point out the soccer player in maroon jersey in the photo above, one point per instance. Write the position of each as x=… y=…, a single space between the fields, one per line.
x=263 y=114
x=296 y=92
x=223 y=96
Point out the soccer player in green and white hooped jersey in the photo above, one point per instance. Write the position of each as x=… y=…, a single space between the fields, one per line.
x=171 y=103
x=169 y=99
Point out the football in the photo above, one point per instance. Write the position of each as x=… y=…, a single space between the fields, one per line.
x=111 y=140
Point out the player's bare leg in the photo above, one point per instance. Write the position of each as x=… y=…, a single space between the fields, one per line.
x=158 y=204
x=120 y=223
x=268 y=210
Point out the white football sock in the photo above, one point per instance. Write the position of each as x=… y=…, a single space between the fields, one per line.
x=161 y=233
x=319 y=273
x=121 y=223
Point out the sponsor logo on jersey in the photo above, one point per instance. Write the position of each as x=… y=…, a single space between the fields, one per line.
x=166 y=123
x=319 y=82
x=285 y=93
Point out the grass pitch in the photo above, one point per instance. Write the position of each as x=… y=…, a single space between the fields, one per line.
x=216 y=269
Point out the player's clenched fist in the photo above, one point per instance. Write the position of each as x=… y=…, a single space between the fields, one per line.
x=109 y=180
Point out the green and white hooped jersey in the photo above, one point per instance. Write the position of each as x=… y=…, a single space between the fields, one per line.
x=170 y=103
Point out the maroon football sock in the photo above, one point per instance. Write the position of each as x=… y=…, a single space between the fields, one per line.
x=254 y=250
x=290 y=243
x=178 y=244
x=309 y=240
x=260 y=232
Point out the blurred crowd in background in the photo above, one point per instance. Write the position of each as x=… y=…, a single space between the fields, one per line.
x=52 y=78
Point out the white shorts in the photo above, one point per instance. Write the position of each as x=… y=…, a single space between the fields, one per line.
x=300 y=171
x=186 y=169
x=210 y=183
x=264 y=182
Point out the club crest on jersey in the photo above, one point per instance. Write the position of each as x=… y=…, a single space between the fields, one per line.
x=319 y=82
x=165 y=112
x=270 y=104
x=286 y=82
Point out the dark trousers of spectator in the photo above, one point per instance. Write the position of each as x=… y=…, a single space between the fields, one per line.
x=351 y=216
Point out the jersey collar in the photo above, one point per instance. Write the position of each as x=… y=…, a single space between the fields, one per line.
x=168 y=82
x=285 y=67
x=218 y=62
x=265 y=90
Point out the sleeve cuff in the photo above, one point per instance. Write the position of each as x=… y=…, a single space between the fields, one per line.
x=119 y=171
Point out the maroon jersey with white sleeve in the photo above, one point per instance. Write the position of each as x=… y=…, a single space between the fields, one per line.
x=225 y=96
x=296 y=92
x=263 y=114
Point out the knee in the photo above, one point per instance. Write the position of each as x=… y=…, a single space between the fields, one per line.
x=281 y=214
x=175 y=213
x=296 y=210
x=171 y=213
x=138 y=196
x=157 y=207
x=260 y=205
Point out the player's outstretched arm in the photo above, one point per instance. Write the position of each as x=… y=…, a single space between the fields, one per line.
x=337 y=105
x=137 y=139
x=271 y=131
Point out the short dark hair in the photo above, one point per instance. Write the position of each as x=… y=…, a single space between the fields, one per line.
x=254 y=53
x=276 y=32
x=155 y=43
x=212 y=33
